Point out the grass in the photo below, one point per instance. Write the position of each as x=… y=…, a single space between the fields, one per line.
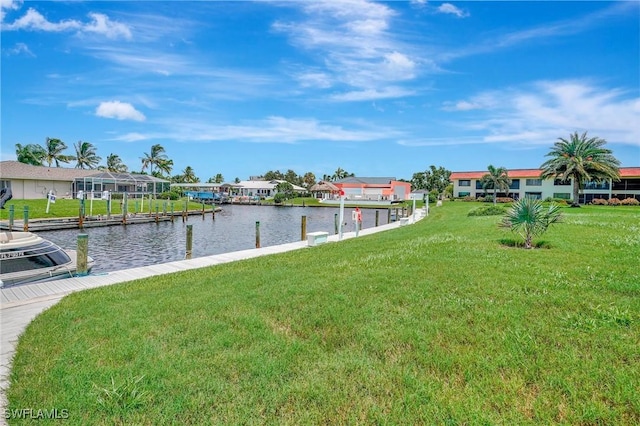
x=434 y=323
x=70 y=208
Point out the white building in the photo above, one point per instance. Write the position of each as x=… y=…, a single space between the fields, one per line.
x=527 y=183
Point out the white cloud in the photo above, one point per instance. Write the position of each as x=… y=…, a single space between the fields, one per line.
x=101 y=24
x=549 y=109
x=8 y=5
x=448 y=8
x=119 y=110
x=355 y=45
x=20 y=48
x=372 y=94
x=274 y=129
x=33 y=20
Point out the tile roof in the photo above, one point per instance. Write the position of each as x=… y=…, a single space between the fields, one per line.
x=625 y=172
x=18 y=170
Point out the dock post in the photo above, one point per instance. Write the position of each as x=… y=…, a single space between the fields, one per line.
x=203 y=210
x=80 y=218
x=109 y=206
x=213 y=211
x=164 y=208
x=125 y=208
x=25 y=226
x=172 y=211
x=136 y=207
x=157 y=210
x=257 y=234
x=11 y=213
x=335 y=222
x=82 y=255
x=303 y=230
x=189 y=241
x=389 y=215
x=377 y=217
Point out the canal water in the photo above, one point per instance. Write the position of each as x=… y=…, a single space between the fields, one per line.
x=234 y=228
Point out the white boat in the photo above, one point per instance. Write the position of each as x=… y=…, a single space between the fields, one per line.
x=26 y=258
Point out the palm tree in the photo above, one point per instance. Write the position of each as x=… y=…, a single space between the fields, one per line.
x=341 y=174
x=30 y=154
x=219 y=178
x=156 y=158
x=582 y=159
x=497 y=178
x=53 y=152
x=86 y=155
x=528 y=218
x=115 y=164
x=189 y=175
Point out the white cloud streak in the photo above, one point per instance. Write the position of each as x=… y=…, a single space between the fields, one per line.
x=353 y=42
x=549 y=109
x=450 y=9
x=274 y=129
x=98 y=23
x=119 y=110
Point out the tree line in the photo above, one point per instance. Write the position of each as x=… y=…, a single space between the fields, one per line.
x=579 y=158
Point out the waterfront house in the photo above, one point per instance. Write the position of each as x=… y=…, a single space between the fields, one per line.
x=374 y=188
x=527 y=182
x=29 y=182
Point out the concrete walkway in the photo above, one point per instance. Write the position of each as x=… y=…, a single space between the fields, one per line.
x=21 y=304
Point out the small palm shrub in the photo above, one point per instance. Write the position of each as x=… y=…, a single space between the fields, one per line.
x=614 y=202
x=630 y=202
x=529 y=218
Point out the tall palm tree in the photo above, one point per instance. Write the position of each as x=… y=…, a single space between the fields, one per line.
x=30 y=154
x=497 y=178
x=53 y=152
x=86 y=155
x=189 y=175
x=115 y=164
x=582 y=159
x=156 y=158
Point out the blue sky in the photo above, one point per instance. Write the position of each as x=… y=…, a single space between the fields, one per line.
x=376 y=88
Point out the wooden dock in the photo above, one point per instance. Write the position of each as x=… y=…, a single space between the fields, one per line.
x=50 y=224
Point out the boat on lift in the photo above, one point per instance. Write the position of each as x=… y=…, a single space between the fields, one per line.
x=27 y=258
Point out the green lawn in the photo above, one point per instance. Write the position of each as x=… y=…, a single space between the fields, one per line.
x=434 y=323
x=71 y=208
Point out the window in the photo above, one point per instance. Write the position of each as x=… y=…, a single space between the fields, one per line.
x=5 y=184
x=464 y=194
x=534 y=195
x=534 y=182
x=464 y=182
x=479 y=185
x=562 y=195
x=596 y=185
x=515 y=184
x=558 y=182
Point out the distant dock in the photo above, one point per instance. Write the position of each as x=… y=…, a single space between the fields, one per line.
x=51 y=224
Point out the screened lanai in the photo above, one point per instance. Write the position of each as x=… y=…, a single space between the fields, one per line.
x=135 y=185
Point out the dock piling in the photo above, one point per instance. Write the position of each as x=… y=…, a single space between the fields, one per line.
x=11 y=214
x=303 y=230
x=189 y=241
x=377 y=217
x=82 y=255
x=335 y=222
x=25 y=226
x=257 y=234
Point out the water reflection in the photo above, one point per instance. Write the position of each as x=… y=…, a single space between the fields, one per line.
x=121 y=247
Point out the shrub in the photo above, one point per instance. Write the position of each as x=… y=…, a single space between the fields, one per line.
x=468 y=198
x=171 y=195
x=630 y=202
x=614 y=202
x=599 y=202
x=486 y=211
x=504 y=200
x=279 y=198
x=480 y=199
x=487 y=199
x=528 y=218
